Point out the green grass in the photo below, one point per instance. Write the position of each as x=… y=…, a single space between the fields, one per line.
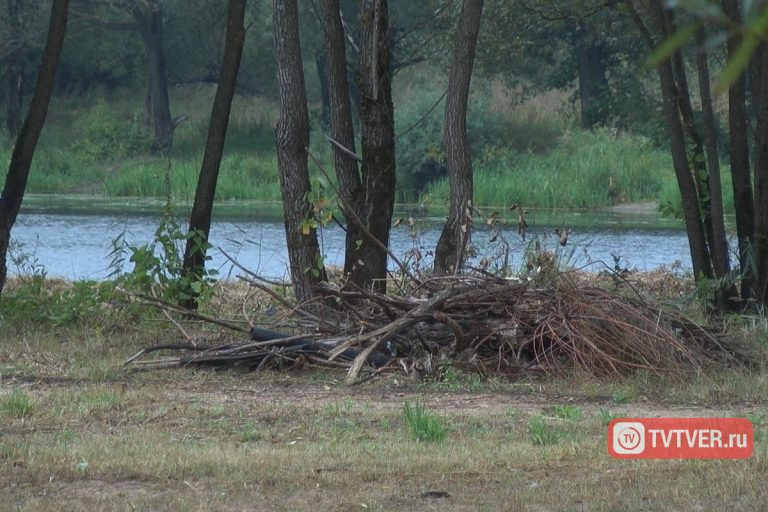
x=423 y=425
x=98 y=144
x=543 y=434
x=18 y=405
x=584 y=170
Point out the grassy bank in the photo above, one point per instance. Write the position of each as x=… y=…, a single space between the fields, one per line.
x=98 y=145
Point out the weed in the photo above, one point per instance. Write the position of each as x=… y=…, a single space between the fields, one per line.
x=542 y=434
x=622 y=396
x=17 y=405
x=424 y=426
x=567 y=412
x=758 y=424
x=249 y=433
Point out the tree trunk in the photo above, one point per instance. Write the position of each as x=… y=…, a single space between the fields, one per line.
x=719 y=246
x=593 y=82
x=378 y=142
x=15 y=70
x=200 y=219
x=321 y=63
x=451 y=247
x=24 y=149
x=761 y=185
x=342 y=131
x=740 y=172
x=671 y=103
x=149 y=19
x=292 y=134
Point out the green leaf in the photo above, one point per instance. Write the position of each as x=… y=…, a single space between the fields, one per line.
x=740 y=59
x=672 y=44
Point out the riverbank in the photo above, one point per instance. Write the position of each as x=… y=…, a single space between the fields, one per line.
x=98 y=145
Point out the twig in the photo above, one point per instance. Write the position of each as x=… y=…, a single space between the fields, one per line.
x=164 y=304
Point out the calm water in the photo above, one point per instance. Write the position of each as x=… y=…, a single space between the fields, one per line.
x=77 y=245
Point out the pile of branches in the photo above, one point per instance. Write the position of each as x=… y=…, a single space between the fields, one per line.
x=494 y=325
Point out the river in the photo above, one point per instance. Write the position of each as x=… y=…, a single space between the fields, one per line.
x=75 y=243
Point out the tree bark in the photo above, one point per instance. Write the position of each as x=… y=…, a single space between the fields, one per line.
x=200 y=218
x=451 y=247
x=719 y=246
x=377 y=141
x=149 y=20
x=24 y=149
x=593 y=82
x=342 y=131
x=15 y=70
x=741 y=181
x=292 y=134
x=761 y=185
x=321 y=63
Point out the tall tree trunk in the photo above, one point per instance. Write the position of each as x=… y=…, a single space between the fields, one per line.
x=741 y=181
x=761 y=185
x=377 y=141
x=719 y=246
x=593 y=82
x=149 y=19
x=292 y=134
x=24 y=150
x=451 y=247
x=342 y=131
x=671 y=103
x=200 y=219
x=15 y=69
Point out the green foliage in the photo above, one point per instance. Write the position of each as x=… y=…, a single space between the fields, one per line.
x=103 y=135
x=17 y=405
x=541 y=433
x=419 y=127
x=424 y=426
x=38 y=302
x=566 y=412
x=606 y=416
x=585 y=170
x=159 y=264
x=35 y=300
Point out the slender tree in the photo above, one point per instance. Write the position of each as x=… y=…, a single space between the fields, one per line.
x=451 y=247
x=720 y=258
x=200 y=218
x=24 y=149
x=377 y=134
x=292 y=134
x=761 y=183
x=343 y=134
x=671 y=105
x=739 y=154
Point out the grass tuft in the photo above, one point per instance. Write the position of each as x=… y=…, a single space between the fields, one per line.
x=17 y=405
x=542 y=434
x=424 y=426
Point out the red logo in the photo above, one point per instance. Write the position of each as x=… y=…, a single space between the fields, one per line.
x=680 y=438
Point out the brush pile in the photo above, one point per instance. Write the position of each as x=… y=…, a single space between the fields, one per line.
x=490 y=324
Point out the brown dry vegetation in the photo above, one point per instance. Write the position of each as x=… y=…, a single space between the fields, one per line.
x=100 y=437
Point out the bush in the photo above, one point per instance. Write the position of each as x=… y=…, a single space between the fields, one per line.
x=104 y=136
